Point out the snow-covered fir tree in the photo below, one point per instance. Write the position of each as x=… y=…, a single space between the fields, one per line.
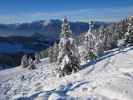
x=99 y=46
x=37 y=58
x=109 y=36
x=53 y=53
x=127 y=30
x=122 y=28
x=129 y=33
x=24 y=61
x=32 y=64
x=50 y=54
x=89 y=43
x=121 y=44
x=68 y=58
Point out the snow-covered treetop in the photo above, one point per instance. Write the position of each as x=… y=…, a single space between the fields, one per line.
x=89 y=35
x=66 y=28
x=130 y=18
x=91 y=25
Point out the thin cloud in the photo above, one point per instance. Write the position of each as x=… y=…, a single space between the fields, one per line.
x=102 y=14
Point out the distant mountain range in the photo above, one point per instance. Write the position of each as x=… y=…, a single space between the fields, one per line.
x=36 y=35
x=44 y=27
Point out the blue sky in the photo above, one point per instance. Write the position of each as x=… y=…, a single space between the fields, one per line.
x=18 y=11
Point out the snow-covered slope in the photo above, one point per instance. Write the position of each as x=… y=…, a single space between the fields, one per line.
x=111 y=78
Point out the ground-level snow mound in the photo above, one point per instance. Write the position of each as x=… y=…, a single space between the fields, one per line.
x=111 y=78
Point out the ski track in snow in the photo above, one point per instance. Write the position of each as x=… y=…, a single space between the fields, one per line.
x=111 y=78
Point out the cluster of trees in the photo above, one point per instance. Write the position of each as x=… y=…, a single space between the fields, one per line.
x=29 y=62
x=107 y=37
x=129 y=33
x=92 y=44
x=95 y=40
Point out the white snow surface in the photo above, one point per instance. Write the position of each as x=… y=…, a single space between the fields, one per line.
x=111 y=78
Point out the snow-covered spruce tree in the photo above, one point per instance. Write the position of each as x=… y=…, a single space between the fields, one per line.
x=99 y=46
x=37 y=58
x=31 y=63
x=129 y=33
x=53 y=53
x=89 y=43
x=68 y=58
x=125 y=33
x=82 y=48
x=50 y=54
x=24 y=61
x=120 y=29
x=108 y=37
x=121 y=44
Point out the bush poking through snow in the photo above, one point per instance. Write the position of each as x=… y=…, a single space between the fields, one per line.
x=91 y=56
